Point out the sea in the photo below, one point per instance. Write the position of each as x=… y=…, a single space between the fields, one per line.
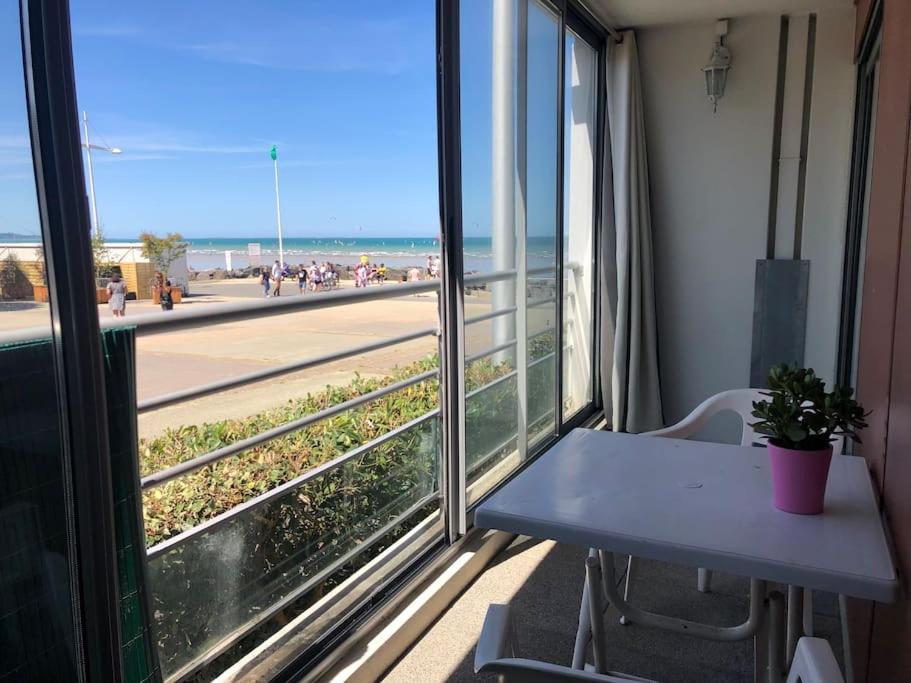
x=395 y=252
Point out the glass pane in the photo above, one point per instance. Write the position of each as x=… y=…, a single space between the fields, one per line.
x=509 y=192
x=580 y=126
x=181 y=107
x=275 y=553
x=543 y=139
x=36 y=607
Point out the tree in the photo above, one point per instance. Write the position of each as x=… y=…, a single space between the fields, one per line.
x=163 y=251
x=104 y=266
x=14 y=285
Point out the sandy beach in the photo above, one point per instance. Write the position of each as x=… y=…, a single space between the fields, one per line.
x=187 y=358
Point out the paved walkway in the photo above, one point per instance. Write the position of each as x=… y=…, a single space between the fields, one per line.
x=188 y=358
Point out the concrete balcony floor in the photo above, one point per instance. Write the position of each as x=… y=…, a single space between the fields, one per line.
x=543 y=582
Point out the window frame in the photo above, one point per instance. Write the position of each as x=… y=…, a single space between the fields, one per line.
x=56 y=146
x=57 y=155
x=864 y=107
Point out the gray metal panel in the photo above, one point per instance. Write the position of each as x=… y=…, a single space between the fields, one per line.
x=779 y=316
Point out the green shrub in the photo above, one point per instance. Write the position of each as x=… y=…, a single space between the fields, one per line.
x=201 y=495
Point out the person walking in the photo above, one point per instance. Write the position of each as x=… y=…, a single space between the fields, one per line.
x=316 y=282
x=264 y=280
x=301 y=278
x=277 y=278
x=117 y=296
x=167 y=298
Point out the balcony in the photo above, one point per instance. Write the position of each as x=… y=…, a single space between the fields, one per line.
x=616 y=248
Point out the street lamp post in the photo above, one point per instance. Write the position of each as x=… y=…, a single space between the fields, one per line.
x=278 y=209
x=89 y=146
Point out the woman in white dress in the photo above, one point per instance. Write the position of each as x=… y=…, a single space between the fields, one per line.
x=117 y=296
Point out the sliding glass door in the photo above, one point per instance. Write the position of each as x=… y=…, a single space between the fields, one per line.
x=510 y=60
x=579 y=136
x=528 y=159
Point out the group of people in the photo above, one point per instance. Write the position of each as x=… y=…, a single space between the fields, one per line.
x=366 y=273
x=314 y=278
x=117 y=293
x=317 y=278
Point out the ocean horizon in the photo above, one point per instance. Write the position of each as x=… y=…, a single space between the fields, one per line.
x=205 y=253
x=395 y=252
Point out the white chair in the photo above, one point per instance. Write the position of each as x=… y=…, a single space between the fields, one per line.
x=496 y=653
x=739 y=401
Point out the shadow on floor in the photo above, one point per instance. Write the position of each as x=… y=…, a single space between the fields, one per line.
x=545 y=608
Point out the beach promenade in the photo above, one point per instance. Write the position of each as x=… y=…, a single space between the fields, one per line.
x=188 y=358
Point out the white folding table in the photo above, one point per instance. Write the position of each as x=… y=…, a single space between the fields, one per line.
x=703 y=505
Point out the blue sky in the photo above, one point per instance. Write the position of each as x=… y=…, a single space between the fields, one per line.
x=196 y=93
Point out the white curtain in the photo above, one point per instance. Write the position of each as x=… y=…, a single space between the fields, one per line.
x=629 y=351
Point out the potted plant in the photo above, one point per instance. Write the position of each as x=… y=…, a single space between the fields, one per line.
x=802 y=420
x=162 y=252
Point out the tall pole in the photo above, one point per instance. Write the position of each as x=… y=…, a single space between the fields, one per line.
x=88 y=147
x=278 y=211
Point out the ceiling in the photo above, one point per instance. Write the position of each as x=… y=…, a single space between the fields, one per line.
x=634 y=13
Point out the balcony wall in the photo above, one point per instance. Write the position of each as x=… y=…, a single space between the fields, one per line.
x=711 y=176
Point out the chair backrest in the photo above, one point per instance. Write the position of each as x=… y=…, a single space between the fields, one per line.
x=496 y=654
x=813 y=659
x=814 y=663
x=739 y=401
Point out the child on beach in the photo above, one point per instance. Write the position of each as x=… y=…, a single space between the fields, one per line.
x=264 y=280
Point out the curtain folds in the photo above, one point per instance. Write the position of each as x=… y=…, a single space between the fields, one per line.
x=629 y=346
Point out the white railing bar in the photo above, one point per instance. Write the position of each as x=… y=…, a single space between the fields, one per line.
x=498 y=380
x=540 y=333
x=488 y=316
x=489 y=352
x=325 y=468
x=259 y=375
x=496 y=276
x=180 y=469
x=533 y=303
x=536 y=361
x=197 y=316
x=155 y=323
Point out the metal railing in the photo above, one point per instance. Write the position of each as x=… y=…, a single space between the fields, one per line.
x=210 y=314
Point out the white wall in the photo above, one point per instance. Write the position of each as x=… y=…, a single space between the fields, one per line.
x=710 y=177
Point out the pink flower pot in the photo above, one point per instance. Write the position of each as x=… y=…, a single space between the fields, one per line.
x=799 y=479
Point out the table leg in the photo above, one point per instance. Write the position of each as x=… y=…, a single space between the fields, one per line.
x=596 y=611
x=583 y=633
x=795 y=621
x=776 y=637
x=761 y=643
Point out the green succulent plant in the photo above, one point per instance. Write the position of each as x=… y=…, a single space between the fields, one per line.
x=800 y=414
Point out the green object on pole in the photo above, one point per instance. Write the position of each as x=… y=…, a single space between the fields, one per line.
x=273 y=153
